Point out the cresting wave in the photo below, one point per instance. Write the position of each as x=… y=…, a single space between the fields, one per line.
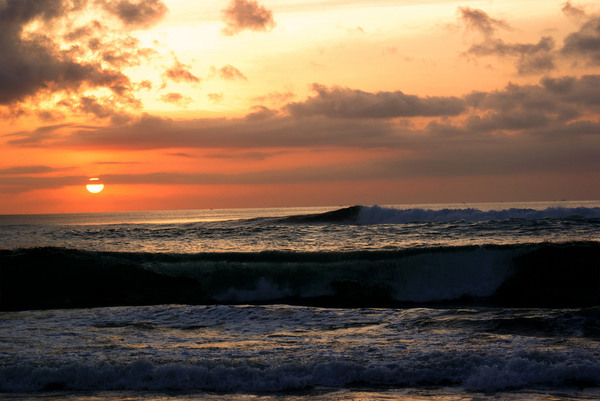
x=550 y=275
x=382 y=215
x=486 y=373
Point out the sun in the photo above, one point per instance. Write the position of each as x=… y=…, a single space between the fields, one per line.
x=95 y=185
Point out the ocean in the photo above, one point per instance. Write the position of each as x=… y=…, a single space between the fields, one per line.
x=491 y=301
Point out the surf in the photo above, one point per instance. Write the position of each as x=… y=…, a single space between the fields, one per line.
x=549 y=275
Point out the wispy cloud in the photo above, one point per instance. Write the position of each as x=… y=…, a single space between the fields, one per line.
x=480 y=21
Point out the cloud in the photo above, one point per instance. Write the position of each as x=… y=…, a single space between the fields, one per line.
x=179 y=72
x=152 y=132
x=39 y=136
x=136 y=13
x=573 y=11
x=331 y=118
x=585 y=42
x=20 y=184
x=215 y=97
x=246 y=15
x=480 y=21
x=551 y=126
x=182 y=154
x=125 y=53
x=176 y=98
x=21 y=170
x=33 y=63
x=551 y=96
x=540 y=57
x=531 y=57
x=260 y=113
x=275 y=98
x=91 y=104
x=229 y=73
x=350 y=103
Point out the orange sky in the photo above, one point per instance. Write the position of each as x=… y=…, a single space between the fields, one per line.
x=186 y=104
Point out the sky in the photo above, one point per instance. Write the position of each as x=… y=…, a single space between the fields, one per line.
x=184 y=104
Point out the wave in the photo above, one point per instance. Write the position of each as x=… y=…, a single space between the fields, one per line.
x=366 y=215
x=551 y=275
x=486 y=372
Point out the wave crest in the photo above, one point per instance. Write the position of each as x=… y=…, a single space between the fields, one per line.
x=366 y=215
x=554 y=275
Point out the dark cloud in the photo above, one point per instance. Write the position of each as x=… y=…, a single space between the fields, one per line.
x=33 y=63
x=19 y=184
x=480 y=21
x=583 y=92
x=85 y=32
x=37 y=137
x=125 y=53
x=540 y=57
x=585 y=42
x=331 y=119
x=151 y=132
x=50 y=115
x=179 y=72
x=516 y=130
x=102 y=108
x=90 y=104
x=20 y=170
x=531 y=57
x=551 y=96
x=507 y=121
x=136 y=13
x=260 y=113
x=350 y=103
x=573 y=11
x=246 y=14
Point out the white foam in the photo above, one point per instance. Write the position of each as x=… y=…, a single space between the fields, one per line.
x=384 y=215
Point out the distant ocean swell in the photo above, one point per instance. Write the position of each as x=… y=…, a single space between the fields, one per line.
x=548 y=275
x=382 y=215
x=484 y=372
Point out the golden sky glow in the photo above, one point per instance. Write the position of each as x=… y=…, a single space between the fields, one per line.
x=241 y=103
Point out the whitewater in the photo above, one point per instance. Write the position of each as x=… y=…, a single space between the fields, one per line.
x=461 y=301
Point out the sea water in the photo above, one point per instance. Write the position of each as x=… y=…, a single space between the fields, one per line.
x=467 y=301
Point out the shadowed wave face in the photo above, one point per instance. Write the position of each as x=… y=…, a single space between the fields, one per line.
x=549 y=275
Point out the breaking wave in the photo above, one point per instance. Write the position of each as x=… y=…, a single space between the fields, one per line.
x=552 y=275
x=484 y=373
x=384 y=215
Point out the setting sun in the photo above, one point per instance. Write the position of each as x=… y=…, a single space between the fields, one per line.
x=94 y=186
x=182 y=104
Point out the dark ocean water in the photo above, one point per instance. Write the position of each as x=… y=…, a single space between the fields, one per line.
x=489 y=301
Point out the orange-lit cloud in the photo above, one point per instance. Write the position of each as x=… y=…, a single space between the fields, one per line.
x=414 y=103
x=246 y=14
x=180 y=72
